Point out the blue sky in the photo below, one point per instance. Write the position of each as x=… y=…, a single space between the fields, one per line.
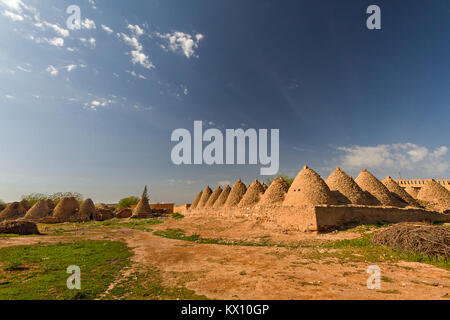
x=92 y=110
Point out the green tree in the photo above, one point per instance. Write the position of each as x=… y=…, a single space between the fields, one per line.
x=286 y=178
x=128 y=202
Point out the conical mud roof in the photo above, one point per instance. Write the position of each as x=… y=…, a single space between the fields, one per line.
x=196 y=200
x=275 y=193
x=142 y=210
x=87 y=210
x=346 y=190
x=13 y=211
x=25 y=204
x=253 y=194
x=413 y=192
x=50 y=204
x=65 y=209
x=38 y=211
x=205 y=197
x=308 y=188
x=394 y=188
x=222 y=198
x=236 y=194
x=213 y=198
x=433 y=192
x=369 y=183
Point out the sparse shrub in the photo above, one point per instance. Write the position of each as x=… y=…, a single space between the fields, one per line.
x=286 y=178
x=177 y=216
x=56 y=197
x=34 y=198
x=128 y=202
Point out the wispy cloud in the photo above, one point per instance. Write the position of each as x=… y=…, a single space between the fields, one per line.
x=107 y=29
x=88 y=24
x=52 y=70
x=137 y=75
x=137 y=55
x=180 y=42
x=386 y=158
x=98 y=103
x=13 y=16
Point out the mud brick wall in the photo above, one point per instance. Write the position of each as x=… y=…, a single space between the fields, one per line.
x=322 y=218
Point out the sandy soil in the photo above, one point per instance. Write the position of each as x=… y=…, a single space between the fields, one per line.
x=238 y=272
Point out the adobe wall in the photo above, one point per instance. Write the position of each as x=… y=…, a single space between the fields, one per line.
x=182 y=209
x=419 y=183
x=322 y=218
x=331 y=216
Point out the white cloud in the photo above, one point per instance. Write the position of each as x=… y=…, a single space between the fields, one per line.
x=10 y=97
x=180 y=42
x=88 y=24
x=16 y=5
x=57 y=42
x=107 y=29
x=23 y=69
x=392 y=158
x=136 y=30
x=137 y=75
x=52 y=70
x=92 y=41
x=13 y=16
x=71 y=67
x=61 y=31
x=178 y=182
x=97 y=103
x=137 y=55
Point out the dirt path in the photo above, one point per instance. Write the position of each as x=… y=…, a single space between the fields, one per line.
x=239 y=272
x=231 y=272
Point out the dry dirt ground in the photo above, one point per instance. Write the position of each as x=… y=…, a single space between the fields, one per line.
x=250 y=272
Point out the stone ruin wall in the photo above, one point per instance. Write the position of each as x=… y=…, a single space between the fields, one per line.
x=321 y=218
x=419 y=183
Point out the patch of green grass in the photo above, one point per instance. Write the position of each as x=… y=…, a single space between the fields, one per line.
x=357 y=227
x=39 y=272
x=243 y=273
x=148 y=285
x=179 y=234
x=389 y=291
x=364 y=250
x=61 y=229
x=13 y=265
x=387 y=279
x=17 y=235
x=177 y=216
